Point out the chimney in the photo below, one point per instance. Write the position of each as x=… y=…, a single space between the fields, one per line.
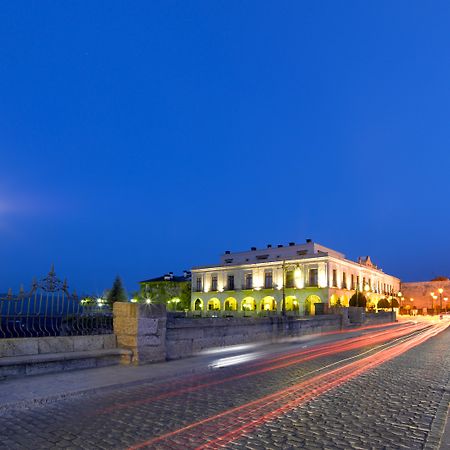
x=280 y=245
x=291 y=244
x=253 y=249
x=269 y=245
x=308 y=241
x=227 y=252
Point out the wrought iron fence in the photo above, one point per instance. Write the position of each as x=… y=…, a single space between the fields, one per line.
x=48 y=309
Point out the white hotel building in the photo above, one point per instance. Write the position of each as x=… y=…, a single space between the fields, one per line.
x=310 y=278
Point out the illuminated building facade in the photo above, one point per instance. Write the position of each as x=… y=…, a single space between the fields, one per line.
x=426 y=296
x=309 y=277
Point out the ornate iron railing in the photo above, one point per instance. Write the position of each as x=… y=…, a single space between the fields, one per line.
x=48 y=309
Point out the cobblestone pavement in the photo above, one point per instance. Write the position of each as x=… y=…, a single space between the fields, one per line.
x=392 y=405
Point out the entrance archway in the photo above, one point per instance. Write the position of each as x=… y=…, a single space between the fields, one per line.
x=310 y=302
x=198 y=304
x=268 y=304
x=230 y=304
x=291 y=303
x=334 y=300
x=248 y=304
x=213 y=304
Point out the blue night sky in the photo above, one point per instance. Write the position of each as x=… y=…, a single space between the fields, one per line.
x=138 y=138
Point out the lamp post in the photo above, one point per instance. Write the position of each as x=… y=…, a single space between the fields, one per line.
x=400 y=296
x=440 y=290
x=285 y=268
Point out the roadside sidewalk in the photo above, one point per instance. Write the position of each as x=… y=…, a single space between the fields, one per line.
x=17 y=393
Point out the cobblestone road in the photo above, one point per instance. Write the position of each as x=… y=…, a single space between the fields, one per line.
x=398 y=404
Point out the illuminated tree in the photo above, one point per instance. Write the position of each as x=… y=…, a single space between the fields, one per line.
x=358 y=299
x=384 y=304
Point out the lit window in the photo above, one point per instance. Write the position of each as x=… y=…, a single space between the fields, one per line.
x=268 y=280
x=214 y=282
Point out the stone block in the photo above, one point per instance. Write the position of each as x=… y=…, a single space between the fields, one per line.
x=148 y=326
x=43 y=367
x=86 y=343
x=122 y=309
x=149 y=354
x=11 y=371
x=55 y=344
x=138 y=310
x=82 y=363
x=125 y=325
x=19 y=346
x=179 y=349
x=109 y=341
x=110 y=360
x=126 y=341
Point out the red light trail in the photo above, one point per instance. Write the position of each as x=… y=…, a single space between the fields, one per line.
x=236 y=421
x=275 y=363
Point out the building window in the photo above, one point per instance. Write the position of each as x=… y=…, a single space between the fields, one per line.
x=214 y=282
x=268 y=280
x=344 y=280
x=248 y=281
x=199 y=284
x=352 y=282
x=334 y=278
x=230 y=284
x=313 y=277
x=357 y=282
x=290 y=279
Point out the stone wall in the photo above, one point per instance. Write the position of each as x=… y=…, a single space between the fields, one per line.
x=152 y=336
x=380 y=317
x=39 y=355
x=186 y=337
x=59 y=344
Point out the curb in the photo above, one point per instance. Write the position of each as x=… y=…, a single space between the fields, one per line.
x=38 y=402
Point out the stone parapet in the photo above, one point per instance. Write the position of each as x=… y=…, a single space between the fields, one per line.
x=141 y=328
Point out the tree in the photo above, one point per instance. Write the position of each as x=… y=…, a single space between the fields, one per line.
x=117 y=293
x=358 y=299
x=394 y=303
x=440 y=278
x=383 y=304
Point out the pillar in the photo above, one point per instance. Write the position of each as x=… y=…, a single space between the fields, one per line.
x=141 y=328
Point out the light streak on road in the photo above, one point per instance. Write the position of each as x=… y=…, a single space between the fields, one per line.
x=234 y=422
x=275 y=363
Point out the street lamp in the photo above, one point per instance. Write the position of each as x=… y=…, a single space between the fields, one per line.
x=440 y=290
x=285 y=267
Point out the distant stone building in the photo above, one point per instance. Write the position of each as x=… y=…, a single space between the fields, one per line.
x=426 y=296
x=170 y=289
x=309 y=277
